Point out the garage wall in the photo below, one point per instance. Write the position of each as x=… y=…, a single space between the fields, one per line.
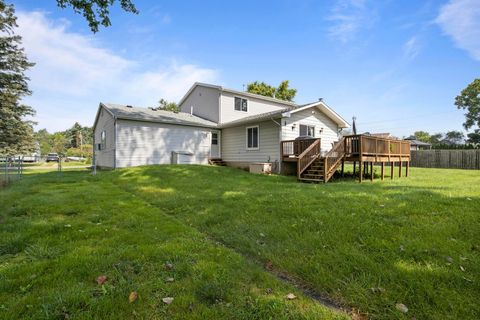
x=142 y=143
x=105 y=157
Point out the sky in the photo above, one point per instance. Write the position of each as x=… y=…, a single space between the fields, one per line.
x=394 y=65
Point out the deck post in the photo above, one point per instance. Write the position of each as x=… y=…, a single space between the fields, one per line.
x=382 y=170
x=354 y=167
x=392 y=166
x=400 y=168
x=406 y=168
x=371 y=170
x=343 y=167
x=360 y=173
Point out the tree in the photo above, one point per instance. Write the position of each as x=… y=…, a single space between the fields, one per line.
x=167 y=106
x=474 y=137
x=453 y=137
x=44 y=140
x=16 y=133
x=59 y=143
x=422 y=136
x=283 y=92
x=96 y=12
x=436 y=138
x=262 y=89
x=469 y=99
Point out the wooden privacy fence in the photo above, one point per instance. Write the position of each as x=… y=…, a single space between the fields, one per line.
x=453 y=159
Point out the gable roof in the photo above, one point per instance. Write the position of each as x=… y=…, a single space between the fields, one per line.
x=119 y=111
x=286 y=112
x=235 y=92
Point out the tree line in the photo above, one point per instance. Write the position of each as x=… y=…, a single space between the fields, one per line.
x=449 y=140
x=76 y=141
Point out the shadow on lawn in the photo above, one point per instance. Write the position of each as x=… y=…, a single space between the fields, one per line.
x=342 y=238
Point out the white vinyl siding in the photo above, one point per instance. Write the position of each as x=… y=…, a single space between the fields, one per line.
x=106 y=156
x=317 y=119
x=234 y=139
x=254 y=106
x=143 y=143
x=205 y=103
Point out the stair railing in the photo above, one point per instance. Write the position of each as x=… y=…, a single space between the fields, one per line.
x=307 y=157
x=333 y=159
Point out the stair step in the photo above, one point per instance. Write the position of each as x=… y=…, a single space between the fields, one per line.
x=312 y=176
x=310 y=180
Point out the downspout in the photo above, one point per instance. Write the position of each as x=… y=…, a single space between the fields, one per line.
x=280 y=142
x=115 y=143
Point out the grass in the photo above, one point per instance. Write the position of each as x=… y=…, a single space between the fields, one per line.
x=368 y=246
x=58 y=233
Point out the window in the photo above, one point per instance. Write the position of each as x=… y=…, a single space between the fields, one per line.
x=252 y=137
x=307 y=130
x=241 y=104
x=103 y=139
x=214 y=138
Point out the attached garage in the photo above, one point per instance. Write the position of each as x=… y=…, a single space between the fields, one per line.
x=140 y=136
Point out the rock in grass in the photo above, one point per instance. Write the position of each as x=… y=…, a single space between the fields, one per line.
x=401 y=307
x=133 y=296
x=168 y=266
x=101 y=279
x=167 y=300
x=291 y=296
x=169 y=279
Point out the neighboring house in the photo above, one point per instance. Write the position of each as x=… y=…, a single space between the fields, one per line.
x=214 y=123
x=418 y=145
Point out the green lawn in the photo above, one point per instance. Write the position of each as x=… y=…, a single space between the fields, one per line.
x=367 y=247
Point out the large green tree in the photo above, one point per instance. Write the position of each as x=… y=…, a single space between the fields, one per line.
x=474 y=137
x=453 y=137
x=469 y=99
x=167 y=106
x=96 y=12
x=422 y=136
x=282 y=92
x=16 y=133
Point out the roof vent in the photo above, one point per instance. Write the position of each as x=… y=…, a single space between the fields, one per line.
x=129 y=106
x=320 y=99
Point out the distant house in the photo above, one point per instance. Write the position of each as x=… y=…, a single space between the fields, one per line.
x=418 y=145
x=215 y=123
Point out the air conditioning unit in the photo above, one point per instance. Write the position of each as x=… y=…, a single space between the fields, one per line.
x=261 y=167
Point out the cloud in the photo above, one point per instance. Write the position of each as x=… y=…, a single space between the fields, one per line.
x=460 y=19
x=73 y=73
x=348 y=17
x=411 y=48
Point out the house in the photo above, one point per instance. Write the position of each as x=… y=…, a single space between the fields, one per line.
x=214 y=123
x=418 y=145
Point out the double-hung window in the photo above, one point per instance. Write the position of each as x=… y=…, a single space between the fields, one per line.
x=306 y=130
x=241 y=104
x=252 y=138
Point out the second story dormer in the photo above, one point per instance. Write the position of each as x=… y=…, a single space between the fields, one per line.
x=222 y=105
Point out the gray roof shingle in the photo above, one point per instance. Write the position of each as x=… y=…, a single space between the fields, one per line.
x=145 y=114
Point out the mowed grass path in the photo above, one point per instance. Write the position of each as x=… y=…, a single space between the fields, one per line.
x=369 y=246
x=59 y=232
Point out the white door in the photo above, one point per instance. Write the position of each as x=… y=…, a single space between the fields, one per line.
x=215 y=147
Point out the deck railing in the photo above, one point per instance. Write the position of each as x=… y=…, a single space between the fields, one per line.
x=293 y=148
x=375 y=146
x=333 y=158
x=306 y=158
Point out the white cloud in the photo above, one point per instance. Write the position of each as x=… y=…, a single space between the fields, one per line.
x=348 y=17
x=411 y=48
x=73 y=73
x=460 y=19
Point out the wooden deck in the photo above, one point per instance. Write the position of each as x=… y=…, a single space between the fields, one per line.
x=363 y=150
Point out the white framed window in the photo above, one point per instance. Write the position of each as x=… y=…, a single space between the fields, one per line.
x=241 y=104
x=103 y=140
x=214 y=138
x=306 y=130
x=253 y=138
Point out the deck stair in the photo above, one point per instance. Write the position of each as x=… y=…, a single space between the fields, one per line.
x=217 y=162
x=324 y=167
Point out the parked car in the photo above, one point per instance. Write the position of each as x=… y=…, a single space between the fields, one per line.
x=52 y=157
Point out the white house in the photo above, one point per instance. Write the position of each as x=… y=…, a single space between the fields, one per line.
x=214 y=123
